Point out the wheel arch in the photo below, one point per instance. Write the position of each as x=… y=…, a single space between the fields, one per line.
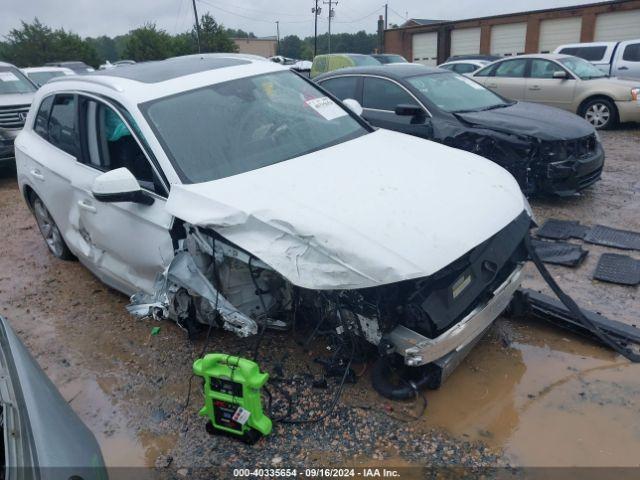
x=596 y=96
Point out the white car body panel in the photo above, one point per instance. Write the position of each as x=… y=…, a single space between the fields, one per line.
x=379 y=209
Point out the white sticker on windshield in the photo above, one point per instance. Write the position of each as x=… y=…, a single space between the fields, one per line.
x=471 y=83
x=326 y=107
x=8 y=77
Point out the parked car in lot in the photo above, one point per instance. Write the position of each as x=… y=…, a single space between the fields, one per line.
x=41 y=75
x=618 y=59
x=254 y=194
x=16 y=93
x=335 y=61
x=566 y=82
x=387 y=58
x=78 y=67
x=547 y=150
x=464 y=67
x=42 y=436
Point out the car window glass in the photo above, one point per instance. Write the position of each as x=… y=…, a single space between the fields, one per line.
x=42 y=118
x=511 y=68
x=464 y=68
x=382 y=94
x=275 y=117
x=111 y=145
x=343 y=87
x=632 y=53
x=455 y=93
x=62 y=130
x=13 y=81
x=485 y=72
x=447 y=67
x=543 y=68
x=592 y=54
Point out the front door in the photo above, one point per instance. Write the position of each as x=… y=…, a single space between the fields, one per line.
x=125 y=244
x=627 y=61
x=380 y=97
x=541 y=87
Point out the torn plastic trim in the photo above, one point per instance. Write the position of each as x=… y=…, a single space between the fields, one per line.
x=184 y=273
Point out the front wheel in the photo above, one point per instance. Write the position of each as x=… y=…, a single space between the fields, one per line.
x=50 y=231
x=601 y=113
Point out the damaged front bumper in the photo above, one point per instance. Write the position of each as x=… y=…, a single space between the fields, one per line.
x=570 y=176
x=419 y=350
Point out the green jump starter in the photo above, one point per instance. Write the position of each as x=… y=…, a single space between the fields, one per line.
x=232 y=396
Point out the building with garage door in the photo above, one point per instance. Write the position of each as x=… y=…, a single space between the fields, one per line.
x=431 y=42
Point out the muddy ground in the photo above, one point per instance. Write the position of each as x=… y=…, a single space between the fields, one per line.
x=528 y=394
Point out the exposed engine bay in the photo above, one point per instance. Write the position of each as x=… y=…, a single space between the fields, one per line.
x=213 y=282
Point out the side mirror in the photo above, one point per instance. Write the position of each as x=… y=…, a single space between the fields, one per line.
x=119 y=185
x=353 y=105
x=560 y=75
x=407 y=110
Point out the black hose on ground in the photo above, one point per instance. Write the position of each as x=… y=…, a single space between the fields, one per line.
x=575 y=309
x=381 y=374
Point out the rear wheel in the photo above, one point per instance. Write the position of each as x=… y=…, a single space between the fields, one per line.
x=601 y=113
x=50 y=231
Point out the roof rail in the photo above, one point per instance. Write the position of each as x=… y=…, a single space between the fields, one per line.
x=87 y=78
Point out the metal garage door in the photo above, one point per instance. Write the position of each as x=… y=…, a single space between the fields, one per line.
x=508 y=39
x=559 y=31
x=465 y=41
x=615 y=26
x=425 y=48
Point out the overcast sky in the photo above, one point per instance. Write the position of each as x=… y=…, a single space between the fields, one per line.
x=114 y=17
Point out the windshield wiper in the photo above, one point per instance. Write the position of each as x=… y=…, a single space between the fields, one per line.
x=483 y=109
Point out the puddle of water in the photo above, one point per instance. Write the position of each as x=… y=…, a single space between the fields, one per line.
x=548 y=400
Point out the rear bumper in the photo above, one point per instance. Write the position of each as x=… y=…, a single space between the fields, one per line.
x=628 y=111
x=571 y=176
x=419 y=350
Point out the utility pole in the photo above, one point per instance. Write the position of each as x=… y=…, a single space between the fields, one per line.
x=278 y=37
x=195 y=12
x=331 y=15
x=316 y=11
x=386 y=15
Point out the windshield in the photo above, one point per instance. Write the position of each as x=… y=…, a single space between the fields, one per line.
x=364 y=60
x=582 y=68
x=40 y=78
x=13 y=81
x=391 y=59
x=242 y=125
x=454 y=93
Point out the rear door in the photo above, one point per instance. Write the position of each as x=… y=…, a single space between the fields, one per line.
x=381 y=96
x=49 y=160
x=541 y=87
x=126 y=244
x=508 y=78
x=627 y=61
x=348 y=86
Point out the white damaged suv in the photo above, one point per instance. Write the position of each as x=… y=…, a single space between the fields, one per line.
x=222 y=190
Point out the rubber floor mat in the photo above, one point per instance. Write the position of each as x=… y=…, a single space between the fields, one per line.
x=559 y=253
x=562 y=229
x=616 y=268
x=612 y=237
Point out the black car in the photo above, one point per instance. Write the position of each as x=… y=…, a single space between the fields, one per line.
x=546 y=149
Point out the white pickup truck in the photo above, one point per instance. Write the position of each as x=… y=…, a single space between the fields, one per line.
x=618 y=59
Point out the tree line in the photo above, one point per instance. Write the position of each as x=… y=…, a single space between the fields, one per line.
x=34 y=44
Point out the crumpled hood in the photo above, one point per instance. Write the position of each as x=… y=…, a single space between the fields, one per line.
x=16 y=99
x=541 y=121
x=379 y=209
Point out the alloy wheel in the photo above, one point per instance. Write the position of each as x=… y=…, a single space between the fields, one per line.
x=598 y=115
x=48 y=228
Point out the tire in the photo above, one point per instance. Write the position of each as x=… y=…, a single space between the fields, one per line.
x=49 y=230
x=601 y=113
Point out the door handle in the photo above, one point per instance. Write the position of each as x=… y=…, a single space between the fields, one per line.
x=492 y=85
x=87 y=206
x=623 y=68
x=534 y=87
x=37 y=174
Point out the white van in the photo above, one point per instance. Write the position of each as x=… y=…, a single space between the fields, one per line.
x=618 y=59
